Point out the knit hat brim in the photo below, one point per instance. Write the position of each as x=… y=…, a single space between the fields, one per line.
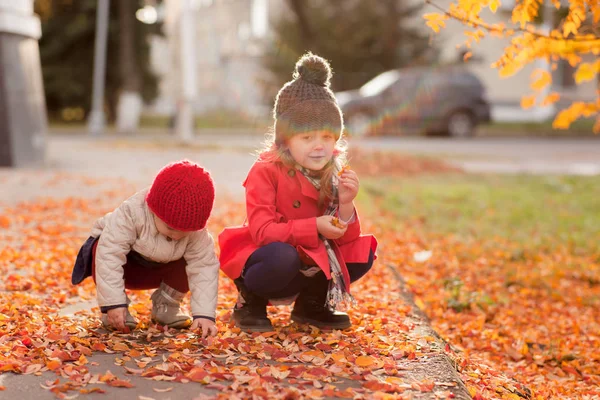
x=309 y=115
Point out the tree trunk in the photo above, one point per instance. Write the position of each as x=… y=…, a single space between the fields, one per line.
x=130 y=101
x=299 y=9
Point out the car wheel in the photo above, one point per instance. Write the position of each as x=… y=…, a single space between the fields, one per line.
x=358 y=125
x=460 y=124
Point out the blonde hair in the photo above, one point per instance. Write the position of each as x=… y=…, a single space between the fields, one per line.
x=278 y=152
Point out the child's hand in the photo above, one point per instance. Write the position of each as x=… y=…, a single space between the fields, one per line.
x=208 y=327
x=348 y=186
x=117 y=317
x=326 y=227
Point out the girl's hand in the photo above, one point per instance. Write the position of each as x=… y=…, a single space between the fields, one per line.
x=117 y=317
x=348 y=186
x=326 y=228
x=208 y=327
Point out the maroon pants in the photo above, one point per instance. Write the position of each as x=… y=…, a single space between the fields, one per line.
x=140 y=277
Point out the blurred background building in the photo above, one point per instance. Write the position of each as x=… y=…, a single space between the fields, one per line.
x=174 y=60
x=233 y=36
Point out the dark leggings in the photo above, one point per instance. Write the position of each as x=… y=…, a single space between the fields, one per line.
x=273 y=271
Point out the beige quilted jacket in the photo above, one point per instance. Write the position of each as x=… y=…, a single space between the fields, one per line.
x=131 y=227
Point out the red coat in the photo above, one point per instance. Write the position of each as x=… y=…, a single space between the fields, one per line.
x=281 y=206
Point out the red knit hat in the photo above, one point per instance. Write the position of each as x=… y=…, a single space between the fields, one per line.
x=182 y=195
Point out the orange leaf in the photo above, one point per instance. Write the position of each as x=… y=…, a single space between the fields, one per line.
x=98 y=346
x=364 y=361
x=551 y=99
x=528 y=101
x=120 y=383
x=198 y=375
x=54 y=364
x=4 y=221
x=120 y=347
x=134 y=353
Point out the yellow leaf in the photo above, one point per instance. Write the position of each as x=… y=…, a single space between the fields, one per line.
x=550 y=99
x=596 y=128
x=527 y=101
x=544 y=79
x=364 y=361
x=435 y=21
x=585 y=72
x=508 y=70
x=467 y=55
x=563 y=120
x=420 y=303
x=568 y=28
x=394 y=380
x=494 y=4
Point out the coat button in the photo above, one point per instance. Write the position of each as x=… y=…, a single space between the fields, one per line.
x=297 y=204
x=292 y=173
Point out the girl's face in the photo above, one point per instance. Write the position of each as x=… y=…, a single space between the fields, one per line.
x=312 y=150
x=167 y=231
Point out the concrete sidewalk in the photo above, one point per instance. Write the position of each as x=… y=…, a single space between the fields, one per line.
x=85 y=167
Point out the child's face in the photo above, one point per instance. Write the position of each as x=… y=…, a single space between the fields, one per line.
x=313 y=149
x=167 y=231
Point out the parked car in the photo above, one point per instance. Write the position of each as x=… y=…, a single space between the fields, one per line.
x=448 y=101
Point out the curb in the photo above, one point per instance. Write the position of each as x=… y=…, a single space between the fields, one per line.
x=438 y=367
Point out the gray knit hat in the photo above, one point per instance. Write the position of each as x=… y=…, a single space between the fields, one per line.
x=306 y=103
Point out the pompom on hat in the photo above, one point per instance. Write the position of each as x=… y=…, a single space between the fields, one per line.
x=306 y=103
x=182 y=195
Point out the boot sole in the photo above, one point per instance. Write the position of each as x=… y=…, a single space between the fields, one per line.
x=176 y=325
x=110 y=328
x=253 y=328
x=319 y=324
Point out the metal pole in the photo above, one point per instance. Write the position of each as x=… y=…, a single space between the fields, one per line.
x=185 y=116
x=96 y=121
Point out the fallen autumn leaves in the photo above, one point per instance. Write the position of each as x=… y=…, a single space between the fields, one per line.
x=294 y=362
x=519 y=325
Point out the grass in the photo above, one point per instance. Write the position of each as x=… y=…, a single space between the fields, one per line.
x=219 y=119
x=538 y=211
x=581 y=127
x=211 y=120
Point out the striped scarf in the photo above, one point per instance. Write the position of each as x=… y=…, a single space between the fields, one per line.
x=338 y=294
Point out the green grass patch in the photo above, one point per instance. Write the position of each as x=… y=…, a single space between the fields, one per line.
x=581 y=127
x=218 y=119
x=534 y=210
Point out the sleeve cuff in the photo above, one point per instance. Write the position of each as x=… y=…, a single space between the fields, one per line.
x=205 y=317
x=351 y=219
x=308 y=233
x=105 y=309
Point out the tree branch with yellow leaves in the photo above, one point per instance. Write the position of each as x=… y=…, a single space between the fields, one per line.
x=574 y=37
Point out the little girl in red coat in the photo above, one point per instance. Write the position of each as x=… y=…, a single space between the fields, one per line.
x=302 y=238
